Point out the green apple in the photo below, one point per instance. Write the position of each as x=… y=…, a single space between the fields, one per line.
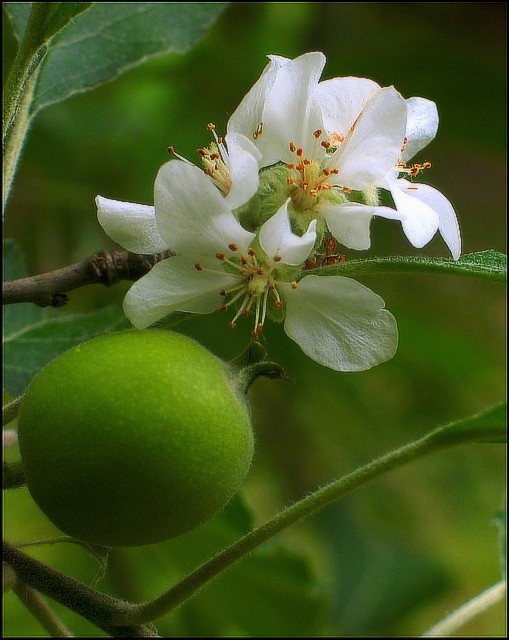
x=134 y=437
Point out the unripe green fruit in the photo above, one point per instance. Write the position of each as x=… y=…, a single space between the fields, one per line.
x=133 y=438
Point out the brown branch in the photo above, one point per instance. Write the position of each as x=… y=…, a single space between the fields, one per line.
x=106 y=268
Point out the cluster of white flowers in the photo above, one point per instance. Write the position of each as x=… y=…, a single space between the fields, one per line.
x=300 y=168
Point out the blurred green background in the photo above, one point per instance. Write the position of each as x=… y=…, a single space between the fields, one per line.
x=395 y=556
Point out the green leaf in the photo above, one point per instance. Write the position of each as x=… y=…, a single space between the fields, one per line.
x=56 y=16
x=33 y=336
x=489 y=264
x=111 y=38
x=60 y=14
x=378 y=578
x=272 y=592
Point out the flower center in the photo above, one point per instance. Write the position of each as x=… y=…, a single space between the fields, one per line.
x=309 y=177
x=255 y=286
x=215 y=161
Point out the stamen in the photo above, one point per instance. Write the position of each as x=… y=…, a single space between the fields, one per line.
x=258 y=131
x=171 y=151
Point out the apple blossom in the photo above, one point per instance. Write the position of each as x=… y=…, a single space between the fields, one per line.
x=231 y=166
x=423 y=209
x=221 y=266
x=341 y=140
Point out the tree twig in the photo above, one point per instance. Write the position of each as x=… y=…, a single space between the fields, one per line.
x=106 y=268
x=40 y=609
x=97 y=607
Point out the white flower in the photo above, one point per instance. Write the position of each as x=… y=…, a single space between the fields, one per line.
x=335 y=320
x=231 y=167
x=336 y=136
x=341 y=136
x=423 y=209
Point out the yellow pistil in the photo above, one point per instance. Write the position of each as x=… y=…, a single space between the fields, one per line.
x=308 y=177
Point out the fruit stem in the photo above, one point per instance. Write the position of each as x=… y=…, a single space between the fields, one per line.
x=248 y=375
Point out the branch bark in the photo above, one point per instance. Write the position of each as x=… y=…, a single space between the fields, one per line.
x=106 y=268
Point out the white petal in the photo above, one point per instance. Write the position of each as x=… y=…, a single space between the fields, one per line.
x=373 y=145
x=421 y=127
x=339 y=323
x=278 y=239
x=349 y=222
x=420 y=222
x=176 y=285
x=447 y=222
x=248 y=116
x=244 y=160
x=341 y=100
x=192 y=215
x=132 y=225
x=289 y=114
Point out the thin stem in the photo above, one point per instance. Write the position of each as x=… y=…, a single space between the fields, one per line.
x=457 y=619
x=10 y=411
x=193 y=582
x=13 y=143
x=40 y=609
x=19 y=91
x=48 y=289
